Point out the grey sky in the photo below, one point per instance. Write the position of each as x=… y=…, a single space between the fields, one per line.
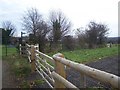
x=80 y=12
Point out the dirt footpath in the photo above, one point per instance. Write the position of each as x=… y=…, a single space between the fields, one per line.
x=8 y=79
x=0 y=74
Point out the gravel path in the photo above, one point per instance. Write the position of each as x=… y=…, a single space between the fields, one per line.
x=109 y=65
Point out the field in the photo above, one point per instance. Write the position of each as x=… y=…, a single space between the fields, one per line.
x=87 y=55
x=10 y=50
x=81 y=56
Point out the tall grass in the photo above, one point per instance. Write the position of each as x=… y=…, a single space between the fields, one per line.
x=18 y=65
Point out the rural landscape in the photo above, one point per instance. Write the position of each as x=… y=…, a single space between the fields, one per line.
x=50 y=54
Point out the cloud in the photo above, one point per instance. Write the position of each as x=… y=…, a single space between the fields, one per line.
x=80 y=12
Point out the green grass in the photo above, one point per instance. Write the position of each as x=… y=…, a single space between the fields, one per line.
x=39 y=82
x=87 y=55
x=18 y=65
x=10 y=50
x=25 y=85
x=29 y=84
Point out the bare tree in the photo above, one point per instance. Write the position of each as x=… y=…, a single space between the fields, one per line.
x=34 y=24
x=96 y=33
x=31 y=20
x=60 y=25
x=8 y=26
x=43 y=30
x=7 y=31
x=81 y=37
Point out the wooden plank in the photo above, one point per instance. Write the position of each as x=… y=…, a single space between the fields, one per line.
x=64 y=81
x=44 y=78
x=47 y=69
x=39 y=64
x=44 y=75
x=28 y=52
x=45 y=56
x=28 y=45
x=29 y=59
x=32 y=58
x=99 y=75
x=60 y=69
x=51 y=67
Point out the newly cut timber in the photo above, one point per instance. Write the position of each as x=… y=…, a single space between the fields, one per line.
x=60 y=69
x=66 y=83
x=45 y=56
x=99 y=75
x=33 y=58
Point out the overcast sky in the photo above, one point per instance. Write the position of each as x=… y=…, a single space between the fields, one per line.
x=80 y=12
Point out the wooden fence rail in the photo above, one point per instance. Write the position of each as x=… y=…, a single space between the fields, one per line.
x=99 y=75
x=55 y=74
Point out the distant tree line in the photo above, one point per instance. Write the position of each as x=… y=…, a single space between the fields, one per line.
x=54 y=34
x=93 y=36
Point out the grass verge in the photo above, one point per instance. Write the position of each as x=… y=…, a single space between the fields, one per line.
x=20 y=68
x=88 y=55
x=10 y=50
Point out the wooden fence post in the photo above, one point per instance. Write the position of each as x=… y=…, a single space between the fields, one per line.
x=33 y=58
x=60 y=69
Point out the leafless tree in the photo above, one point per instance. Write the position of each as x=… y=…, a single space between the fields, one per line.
x=7 y=31
x=81 y=38
x=60 y=25
x=43 y=30
x=31 y=19
x=8 y=26
x=34 y=24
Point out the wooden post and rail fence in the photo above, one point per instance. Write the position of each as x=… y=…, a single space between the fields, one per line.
x=55 y=74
